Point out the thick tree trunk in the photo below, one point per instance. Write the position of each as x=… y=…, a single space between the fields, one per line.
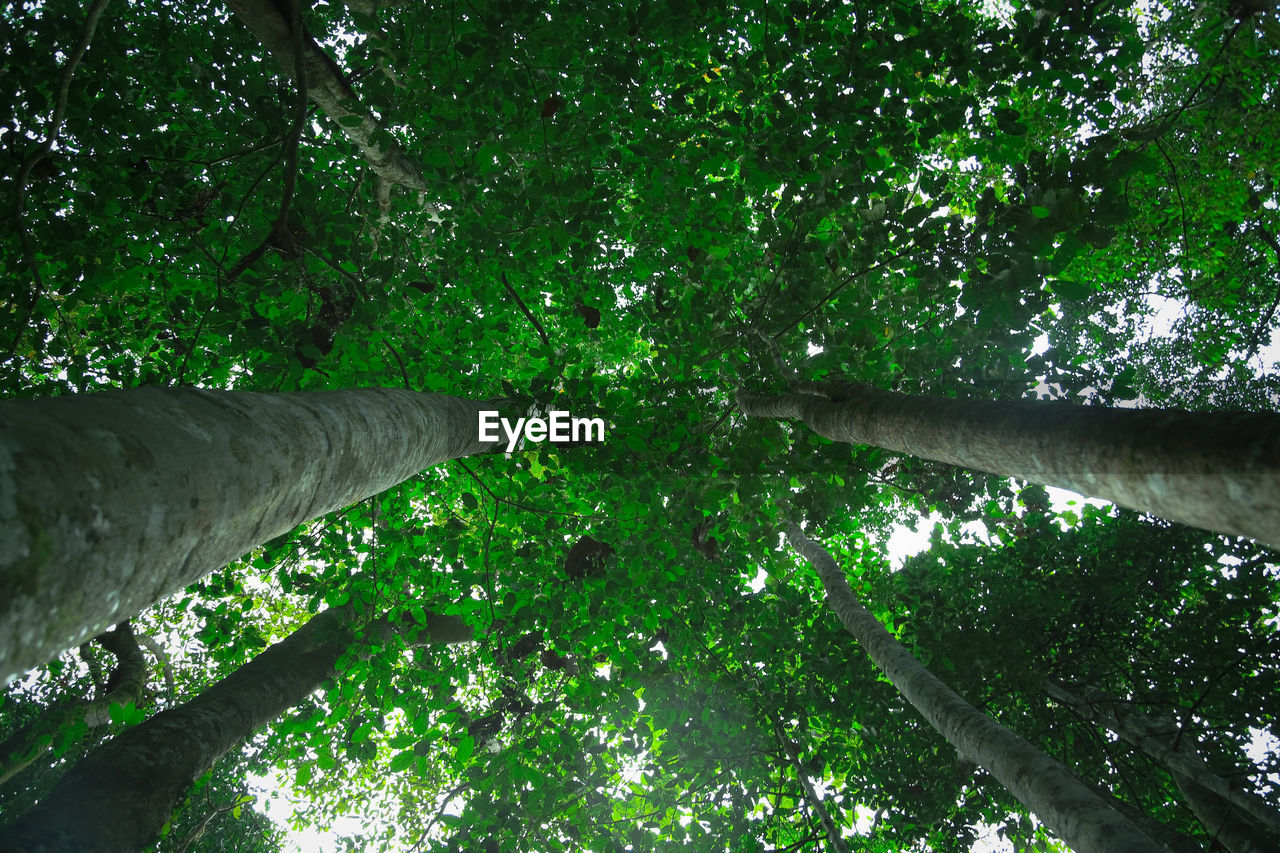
x=109 y=502
x=1211 y=797
x=119 y=797
x=328 y=88
x=126 y=684
x=1218 y=470
x=1059 y=799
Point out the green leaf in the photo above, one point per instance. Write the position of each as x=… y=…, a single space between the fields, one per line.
x=466 y=746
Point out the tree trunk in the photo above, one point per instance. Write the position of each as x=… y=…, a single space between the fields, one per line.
x=119 y=797
x=1216 y=470
x=110 y=502
x=1059 y=799
x=328 y=88
x=1224 y=822
x=1210 y=796
x=126 y=684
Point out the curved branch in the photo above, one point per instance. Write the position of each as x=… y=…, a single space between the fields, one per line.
x=125 y=685
x=546 y=342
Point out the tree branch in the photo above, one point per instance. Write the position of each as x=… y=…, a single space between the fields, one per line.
x=330 y=90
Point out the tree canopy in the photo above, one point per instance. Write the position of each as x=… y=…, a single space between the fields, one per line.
x=632 y=210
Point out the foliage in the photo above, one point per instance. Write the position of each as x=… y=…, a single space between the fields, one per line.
x=625 y=201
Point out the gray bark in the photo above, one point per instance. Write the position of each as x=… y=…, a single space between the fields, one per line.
x=1159 y=742
x=119 y=797
x=110 y=502
x=1065 y=805
x=327 y=87
x=1224 y=822
x=1215 y=470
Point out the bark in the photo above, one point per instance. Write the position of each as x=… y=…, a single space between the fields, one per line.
x=126 y=684
x=1065 y=805
x=327 y=87
x=834 y=840
x=111 y=501
x=1160 y=743
x=1216 y=470
x=1223 y=821
x=1172 y=840
x=119 y=797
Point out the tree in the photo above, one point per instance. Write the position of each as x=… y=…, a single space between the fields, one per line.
x=170 y=485
x=1161 y=738
x=120 y=796
x=1094 y=606
x=627 y=207
x=1075 y=813
x=280 y=30
x=1220 y=471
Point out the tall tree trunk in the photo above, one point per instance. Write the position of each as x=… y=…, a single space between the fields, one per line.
x=109 y=502
x=1224 y=822
x=1218 y=804
x=119 y=797
x=126 y=684
x=1219 y=470
x=328 y=88
x=1063 y=802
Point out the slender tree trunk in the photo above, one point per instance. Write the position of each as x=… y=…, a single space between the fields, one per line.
x=1210 y=796
x=119 y=797
x=109 y=502
x=327 y=87
x=1216 y=470
x=1224 y=822
x=1063 y=802
x=126 y=684
x=834 y=840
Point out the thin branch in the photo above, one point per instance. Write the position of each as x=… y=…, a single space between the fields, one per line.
x=532 y=319
x=279 y=233
x=849 y=279
x=771 y=341
x=1165 y=122
x=1255 y=340
x=239 y=799
x=811 y=795
x=1177 y=186
x=404 y=374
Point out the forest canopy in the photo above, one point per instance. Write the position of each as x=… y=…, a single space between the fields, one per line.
x=664 y=217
